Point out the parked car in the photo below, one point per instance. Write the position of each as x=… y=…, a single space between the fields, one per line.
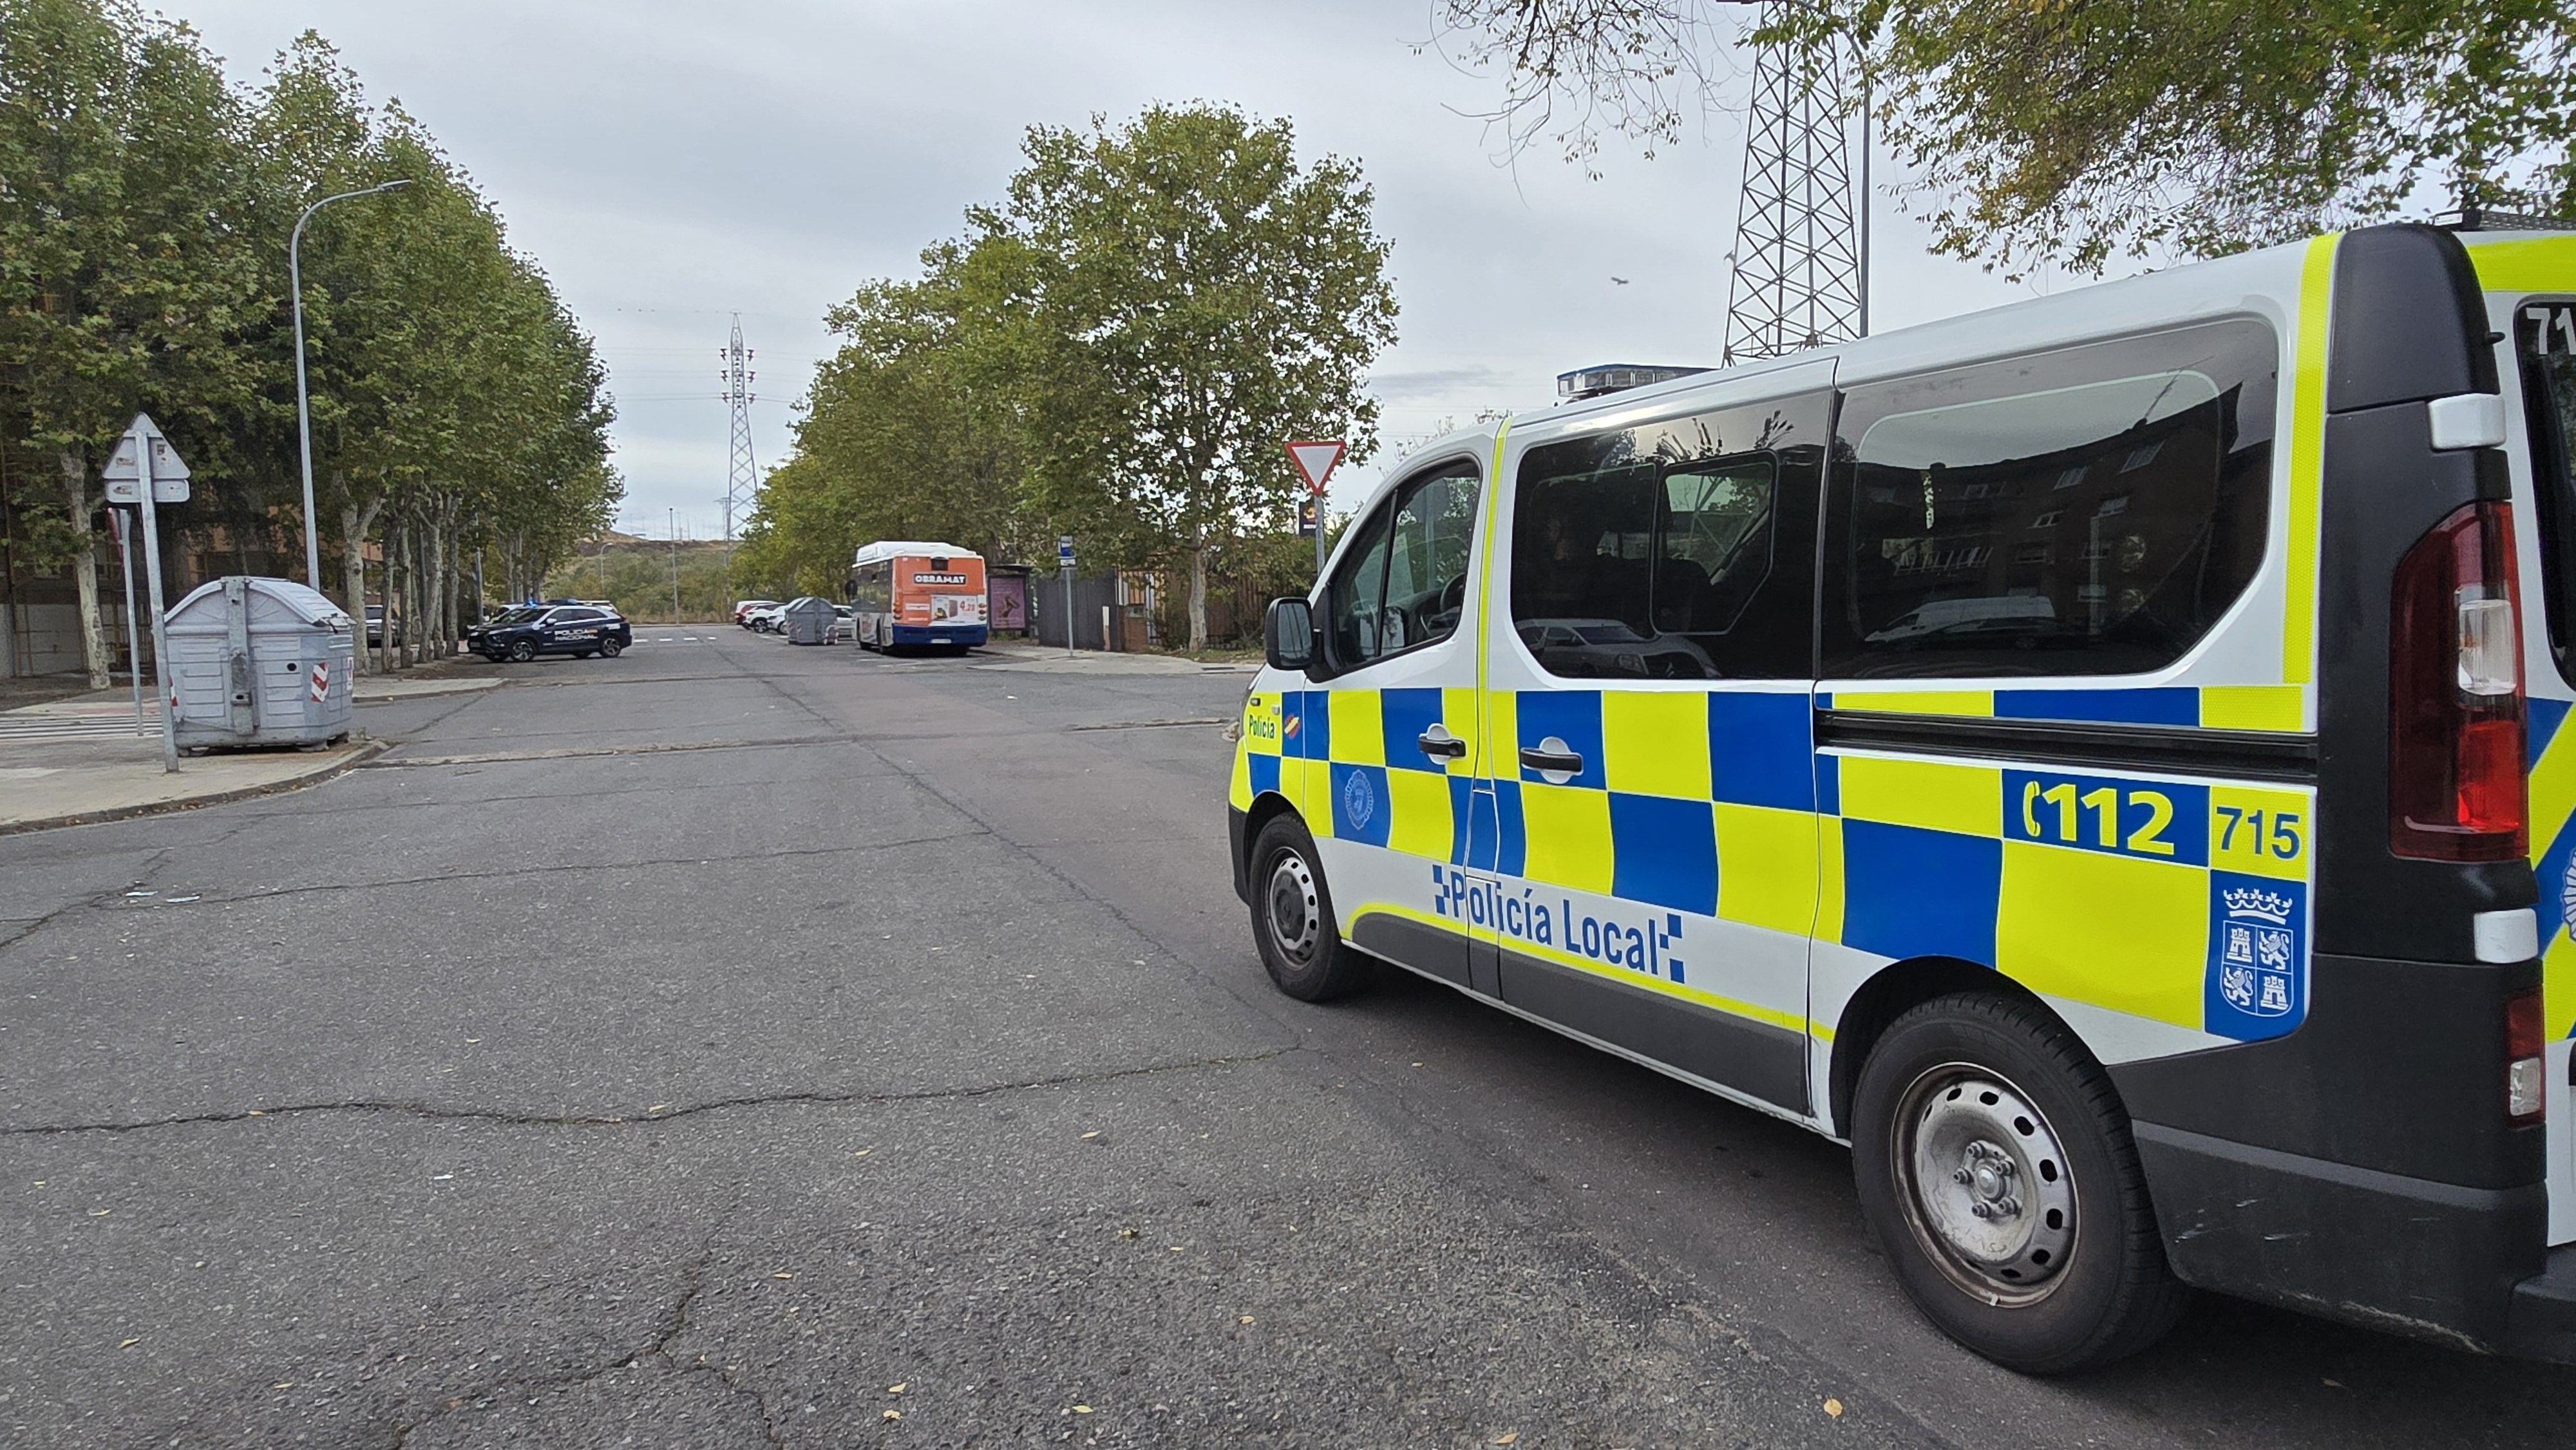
x=845 y=624
x=743 y=609
x=764 y=620
x=376 y=627
x=579 y=630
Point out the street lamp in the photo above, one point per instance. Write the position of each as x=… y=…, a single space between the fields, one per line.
x=303 y=416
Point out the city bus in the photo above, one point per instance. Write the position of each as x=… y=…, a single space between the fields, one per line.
x=908 y=594
x=2101 y=759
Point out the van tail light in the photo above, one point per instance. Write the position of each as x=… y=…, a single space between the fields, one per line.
x=2523 y=1071
x=2455 y=738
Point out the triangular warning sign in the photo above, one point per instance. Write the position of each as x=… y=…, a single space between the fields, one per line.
x=1315 y=460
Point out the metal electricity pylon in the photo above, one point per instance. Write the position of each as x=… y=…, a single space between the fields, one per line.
x=1801 y=248
x=742 y=479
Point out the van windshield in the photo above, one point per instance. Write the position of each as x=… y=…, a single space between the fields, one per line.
x=2545 y=337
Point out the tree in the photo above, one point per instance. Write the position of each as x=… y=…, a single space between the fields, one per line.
x=2074 y=132
x=124 y=275
x=1163 y=306
x=897 y=442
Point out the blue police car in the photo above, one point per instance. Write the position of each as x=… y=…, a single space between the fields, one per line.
x=555 y=628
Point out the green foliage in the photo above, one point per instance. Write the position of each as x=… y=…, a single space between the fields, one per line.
x=637 y=578
x=1117 y=350
x=1186 y=298
x=896 y=443
x=2075 y=132
x=145 y=207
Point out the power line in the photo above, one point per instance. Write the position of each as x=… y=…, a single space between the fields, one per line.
x=742 y=477
x=1798 y=279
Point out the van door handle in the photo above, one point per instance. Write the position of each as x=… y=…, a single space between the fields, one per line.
x=1439 y=744
x=1538 y=757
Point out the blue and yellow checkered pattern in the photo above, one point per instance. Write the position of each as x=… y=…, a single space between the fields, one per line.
x=2137 y=896
x=2180 y=902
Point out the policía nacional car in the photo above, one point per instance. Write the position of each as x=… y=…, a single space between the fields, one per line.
x=579 y=630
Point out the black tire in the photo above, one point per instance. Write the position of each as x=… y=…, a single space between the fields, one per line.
x=1292 y=917
x=612 y=648
x=1984 y=1101
x=523 y=650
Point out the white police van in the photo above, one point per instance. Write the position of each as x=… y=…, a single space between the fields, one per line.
x=2101 y=758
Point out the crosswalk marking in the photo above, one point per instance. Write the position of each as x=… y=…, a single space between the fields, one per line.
x=60 y=727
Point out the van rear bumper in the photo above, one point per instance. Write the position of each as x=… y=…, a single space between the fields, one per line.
x=2435 y=1261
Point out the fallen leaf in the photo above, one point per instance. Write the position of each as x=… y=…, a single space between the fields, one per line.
x=1243 y=1319
x=657 y=1107
x=129 y=1344
x=2338 y=1384
x=1508 y=1436
x=1176 y=1248
x=1127 y=1233
x=1082 y=1409
x=255 y=1113
x=895 y=1389
x=894 y=1414
x=1094 y=1133
x=863 y=1152
x=1834 y=1408
x=782 y=1275
x=104 y=1212
x=283 y=1385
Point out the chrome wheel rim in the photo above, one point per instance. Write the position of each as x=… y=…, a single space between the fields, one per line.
x=1293 y=908
x=1985 y=1184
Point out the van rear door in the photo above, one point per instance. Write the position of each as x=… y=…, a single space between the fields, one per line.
x=2530 y=285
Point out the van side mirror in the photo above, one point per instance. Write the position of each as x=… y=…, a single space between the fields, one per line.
x=1288 y=634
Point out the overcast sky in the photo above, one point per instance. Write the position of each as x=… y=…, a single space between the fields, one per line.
x=673 y=164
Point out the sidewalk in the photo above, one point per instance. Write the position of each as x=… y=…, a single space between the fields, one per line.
x=84 y=758
x=1042 y=659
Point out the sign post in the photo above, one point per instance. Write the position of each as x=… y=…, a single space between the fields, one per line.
x=1064 y=570
x=133 y=633
x=1315 y=460
x=145 y=470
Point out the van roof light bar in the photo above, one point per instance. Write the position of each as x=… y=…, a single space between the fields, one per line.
x=1602 y=378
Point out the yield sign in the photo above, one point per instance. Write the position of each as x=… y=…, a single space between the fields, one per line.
x=1315 y=461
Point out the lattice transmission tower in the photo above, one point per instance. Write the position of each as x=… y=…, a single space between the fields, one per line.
x=742 y=478
x=1800 y=245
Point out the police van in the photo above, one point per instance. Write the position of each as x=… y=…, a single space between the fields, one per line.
x=2099 y=758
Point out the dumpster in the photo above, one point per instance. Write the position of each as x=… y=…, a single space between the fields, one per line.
x=258 y=662
x=808 y=621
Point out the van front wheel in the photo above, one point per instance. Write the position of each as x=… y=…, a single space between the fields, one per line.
x=1995 y=1167
x=1292 y=917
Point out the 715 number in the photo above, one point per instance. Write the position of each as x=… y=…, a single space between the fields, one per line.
x=2282 y=841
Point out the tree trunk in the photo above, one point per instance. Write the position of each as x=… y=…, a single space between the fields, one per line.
x=1198 y=596
x=85 y=571
x=434 y=624
x=354 y=523
x=386 y=659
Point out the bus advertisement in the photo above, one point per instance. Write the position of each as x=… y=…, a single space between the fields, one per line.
x=908 y=594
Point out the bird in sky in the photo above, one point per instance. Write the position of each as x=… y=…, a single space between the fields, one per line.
x=1619 y=281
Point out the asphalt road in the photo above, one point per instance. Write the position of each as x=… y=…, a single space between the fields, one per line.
x=737 y=1044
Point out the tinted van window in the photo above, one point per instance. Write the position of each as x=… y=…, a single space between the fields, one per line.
x=2091 y=511
x=1674 y=551
x=2545 y=338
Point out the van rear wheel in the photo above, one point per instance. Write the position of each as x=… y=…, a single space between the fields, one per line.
x=1292 y=917
x=1995 y=1167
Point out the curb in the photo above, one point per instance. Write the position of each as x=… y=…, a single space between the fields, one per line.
x=364 y=753
x=437 y=689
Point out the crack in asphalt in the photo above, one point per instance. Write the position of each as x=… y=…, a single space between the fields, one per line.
x=499 y=757
x=98 y=901
x=560 y=867
x=433 y=1112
